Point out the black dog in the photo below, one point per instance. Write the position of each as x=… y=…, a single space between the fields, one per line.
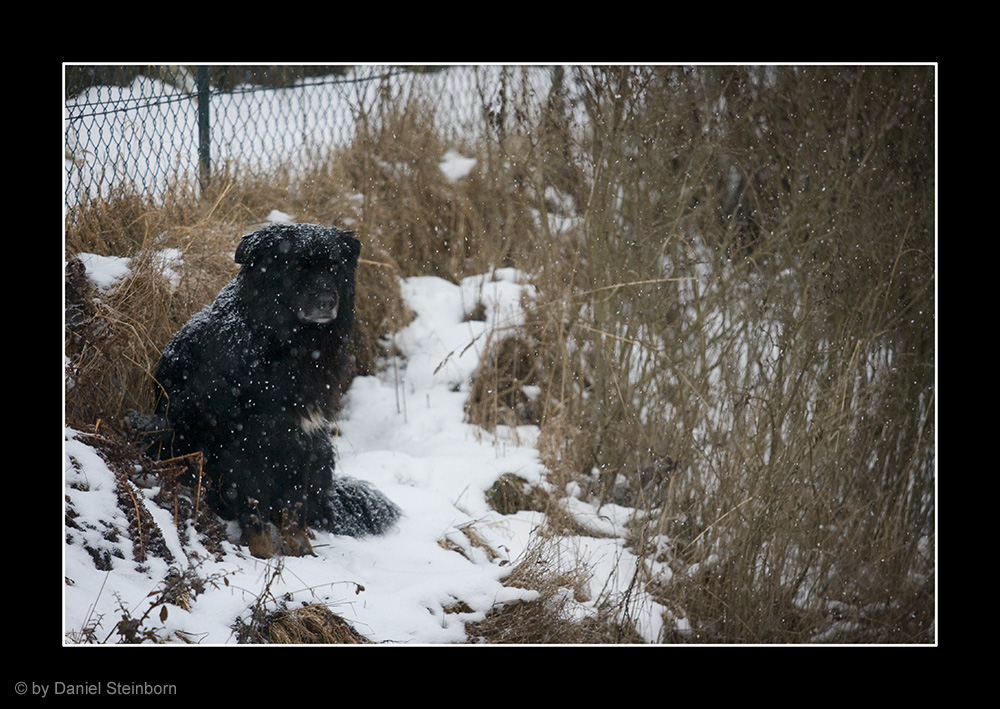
x=253 y=382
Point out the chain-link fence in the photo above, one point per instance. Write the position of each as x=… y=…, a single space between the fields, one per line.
x=145 y=128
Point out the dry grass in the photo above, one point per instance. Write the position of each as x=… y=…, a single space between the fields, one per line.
x=310 y=625
x=750 y=293
x=553 y=617
x=744 y=285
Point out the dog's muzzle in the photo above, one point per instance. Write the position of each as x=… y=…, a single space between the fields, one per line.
x=321 y=310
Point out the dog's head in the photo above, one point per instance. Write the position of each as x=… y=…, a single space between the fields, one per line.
x=304 y=270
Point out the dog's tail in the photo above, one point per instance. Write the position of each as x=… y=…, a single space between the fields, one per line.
x=357 y=509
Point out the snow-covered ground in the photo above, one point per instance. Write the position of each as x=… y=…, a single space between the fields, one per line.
x=403 y=430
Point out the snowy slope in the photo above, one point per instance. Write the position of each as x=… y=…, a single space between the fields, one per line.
x=404 y=431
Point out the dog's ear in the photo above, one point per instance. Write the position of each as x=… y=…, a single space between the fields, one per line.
x=352 y=244
x=249 y=245
x=273 y=238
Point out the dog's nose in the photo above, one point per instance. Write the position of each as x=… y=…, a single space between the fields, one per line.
x=327 y=302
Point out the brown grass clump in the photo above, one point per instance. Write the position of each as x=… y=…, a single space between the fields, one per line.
x=552 y=617
x=270 y=621
x=379 y=307
x=314 y=624
x=498 y=394
x=114 y=337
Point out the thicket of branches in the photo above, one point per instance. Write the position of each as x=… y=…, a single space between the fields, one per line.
x=748 y=293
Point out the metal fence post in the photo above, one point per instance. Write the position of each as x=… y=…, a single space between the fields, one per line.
x=204 y=140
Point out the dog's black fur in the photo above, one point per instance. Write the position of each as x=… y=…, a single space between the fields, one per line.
x=253 y=382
